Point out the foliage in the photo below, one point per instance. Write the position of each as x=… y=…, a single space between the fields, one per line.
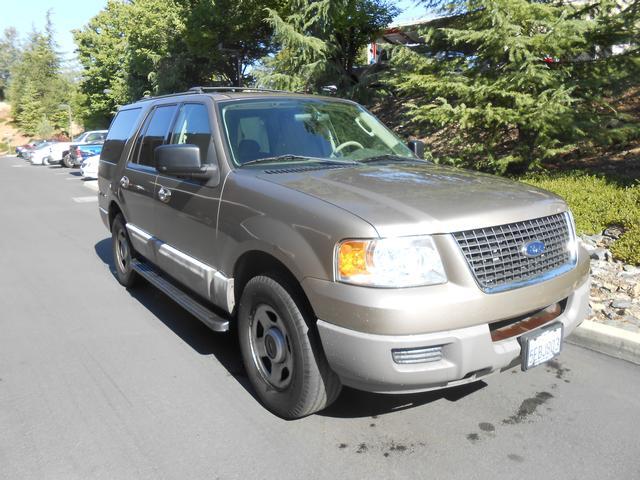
x=597 y=204
x=44 y=128
x=517 y=81
x=129 y=50
x=38 y=87
x=321 y=42
x=224 y=34
x=9 y=55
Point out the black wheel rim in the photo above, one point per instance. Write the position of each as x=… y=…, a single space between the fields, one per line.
x=271 y=347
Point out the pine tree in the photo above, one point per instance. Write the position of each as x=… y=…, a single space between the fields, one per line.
x=37 y=86
x=514 y=82
x=9 y=56
x=321 y=41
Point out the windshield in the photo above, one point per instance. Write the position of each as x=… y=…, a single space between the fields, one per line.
x=292 y=129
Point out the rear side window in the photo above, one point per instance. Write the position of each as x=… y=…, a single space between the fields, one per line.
x=155 y=134
x=192 y=126
x=120 y=131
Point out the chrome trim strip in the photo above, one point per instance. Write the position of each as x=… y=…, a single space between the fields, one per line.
x=532 y=281
x=194 y=266
x=220 y=288
x=104 y=211
x=224 y=291
x=139 y=232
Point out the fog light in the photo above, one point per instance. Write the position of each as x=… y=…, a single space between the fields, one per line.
x=417 y=355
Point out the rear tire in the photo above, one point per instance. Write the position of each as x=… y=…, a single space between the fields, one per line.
x=46 y=162
x=123 y=253
x=281 y=350
x=66 y=161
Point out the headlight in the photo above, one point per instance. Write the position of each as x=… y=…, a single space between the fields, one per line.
x=389 y=262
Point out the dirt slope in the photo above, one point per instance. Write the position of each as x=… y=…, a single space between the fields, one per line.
x=9 y=135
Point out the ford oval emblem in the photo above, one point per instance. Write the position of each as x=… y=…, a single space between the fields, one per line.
x=534 y=248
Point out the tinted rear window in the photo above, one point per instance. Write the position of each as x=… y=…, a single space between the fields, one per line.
x=120 y=131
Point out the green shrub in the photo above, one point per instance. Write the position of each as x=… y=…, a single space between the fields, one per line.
x=627 y=248
x=596 y=204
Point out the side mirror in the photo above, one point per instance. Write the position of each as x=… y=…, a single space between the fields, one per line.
x=417 y=147
x=182 y=160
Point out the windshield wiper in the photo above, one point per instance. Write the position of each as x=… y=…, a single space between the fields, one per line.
x=290 y=157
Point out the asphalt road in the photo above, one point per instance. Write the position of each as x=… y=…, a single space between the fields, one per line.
x=97 y=382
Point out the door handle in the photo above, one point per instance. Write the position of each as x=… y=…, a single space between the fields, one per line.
x=124 y=182
x=164 y=194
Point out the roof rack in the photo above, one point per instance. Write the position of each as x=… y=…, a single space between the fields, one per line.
x=199 y=90
x=235 y=89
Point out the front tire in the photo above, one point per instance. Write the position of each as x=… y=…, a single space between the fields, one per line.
x=123 y=253
x=281 y=350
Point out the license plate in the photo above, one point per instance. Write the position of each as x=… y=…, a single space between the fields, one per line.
x=540 y=346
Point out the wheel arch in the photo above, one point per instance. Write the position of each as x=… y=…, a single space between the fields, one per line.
x=257 y=262
x=114 y=210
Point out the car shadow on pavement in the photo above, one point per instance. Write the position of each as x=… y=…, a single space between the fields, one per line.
x=191 y=330
x=354 y=403
x=224 y=346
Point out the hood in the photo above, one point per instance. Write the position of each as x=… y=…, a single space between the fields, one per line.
x=412 y=198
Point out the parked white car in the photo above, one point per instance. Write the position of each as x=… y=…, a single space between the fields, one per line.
x=89 y=167
x=40 y=156
x=57 y=152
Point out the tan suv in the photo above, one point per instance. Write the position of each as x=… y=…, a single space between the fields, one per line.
x=342 y=257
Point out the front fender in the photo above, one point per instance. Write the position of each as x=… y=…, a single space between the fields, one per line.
x=297 y=229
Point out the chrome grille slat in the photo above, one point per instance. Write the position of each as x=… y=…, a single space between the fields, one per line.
x=495 y=256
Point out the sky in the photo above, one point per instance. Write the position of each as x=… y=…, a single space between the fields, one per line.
x=71 y=14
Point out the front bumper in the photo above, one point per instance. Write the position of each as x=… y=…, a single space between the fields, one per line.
x=360 y=326
x=364 y=360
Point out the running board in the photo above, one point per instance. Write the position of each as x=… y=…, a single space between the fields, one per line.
x=211 y=319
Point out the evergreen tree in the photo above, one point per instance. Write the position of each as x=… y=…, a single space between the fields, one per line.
x=37 y=87
x=513 y=82
x=9 y=56
x=321 y=41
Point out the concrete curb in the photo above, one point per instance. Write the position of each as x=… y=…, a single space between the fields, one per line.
x=611 y=341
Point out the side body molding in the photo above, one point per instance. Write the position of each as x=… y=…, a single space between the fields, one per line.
x=198 y=276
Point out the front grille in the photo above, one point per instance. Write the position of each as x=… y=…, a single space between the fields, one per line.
x=496 y=254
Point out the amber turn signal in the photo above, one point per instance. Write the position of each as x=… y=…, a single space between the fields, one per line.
x=352 y=258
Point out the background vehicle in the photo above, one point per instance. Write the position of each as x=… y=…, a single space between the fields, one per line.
x=94 y=138
x=23 y=150
x=40 y=154
x=57 y=151
x=78 y=153
x=20 y=149
x=343 y=258
x=89 y=167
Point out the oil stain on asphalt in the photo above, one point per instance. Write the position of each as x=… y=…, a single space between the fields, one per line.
x=527 y=408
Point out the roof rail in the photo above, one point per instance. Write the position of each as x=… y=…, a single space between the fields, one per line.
x=235 y=89
x=196 y=90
